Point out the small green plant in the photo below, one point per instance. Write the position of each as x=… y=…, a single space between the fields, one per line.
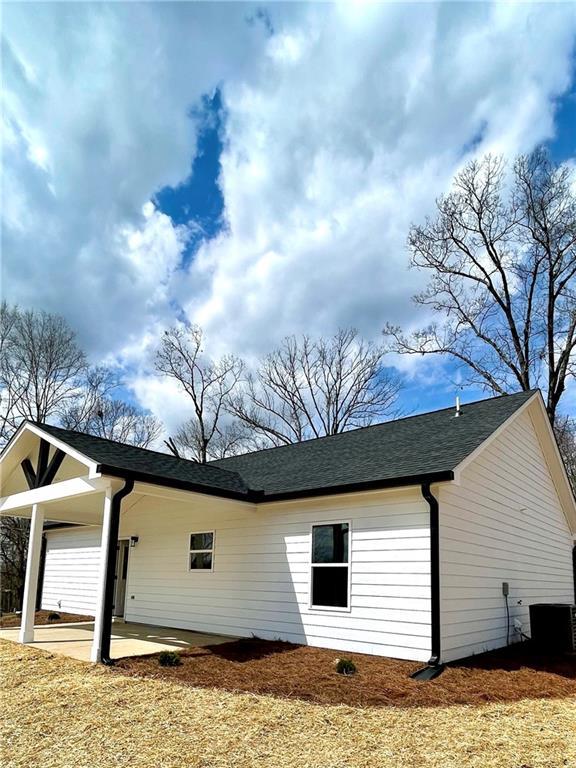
x=169 y=659
x=345 y=667
x=54 y=616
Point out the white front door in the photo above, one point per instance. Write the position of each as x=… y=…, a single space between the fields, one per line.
x=120 y=577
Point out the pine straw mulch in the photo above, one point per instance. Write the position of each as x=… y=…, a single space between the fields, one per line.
x=9 y=620
x=301 y=672
x=58 y=712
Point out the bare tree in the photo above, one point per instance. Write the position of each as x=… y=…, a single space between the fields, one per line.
x=125 y=423
x=13 y=552
x=117 y=420
x=207 y=383
x=502 y=257
x=41 y=366
x=311 y=388
x=229 y=439
x=10 y=391
x=95 y=410
x=98 y=385
x=565 y=429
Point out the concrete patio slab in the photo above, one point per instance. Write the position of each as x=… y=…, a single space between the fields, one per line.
x=75 y=640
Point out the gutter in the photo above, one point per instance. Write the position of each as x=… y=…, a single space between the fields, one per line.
x=111 y=569
x=261 y=497
x=182 y=485
x=368 y=485
x=434 y=666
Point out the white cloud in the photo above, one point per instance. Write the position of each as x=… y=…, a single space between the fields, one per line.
x=163 y=396
x=96 y=110
x=353 y=123
x=342 y=127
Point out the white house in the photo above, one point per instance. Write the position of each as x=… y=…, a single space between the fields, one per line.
x=393 y=539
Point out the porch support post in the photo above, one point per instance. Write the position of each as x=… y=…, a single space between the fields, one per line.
x=26 y=634
x=96 y=652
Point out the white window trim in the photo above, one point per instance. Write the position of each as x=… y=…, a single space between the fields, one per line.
x=201 y=551
x=331 y=608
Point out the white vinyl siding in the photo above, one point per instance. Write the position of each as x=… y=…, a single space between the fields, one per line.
x=71 y=570
x=260 y=584
x=502 y=523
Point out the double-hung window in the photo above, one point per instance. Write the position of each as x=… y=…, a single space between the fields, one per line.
x=330 y=566
x=201 y=554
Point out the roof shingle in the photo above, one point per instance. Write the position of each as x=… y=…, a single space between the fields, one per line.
x=143 y=461
x=429 y=444
x=396 y=452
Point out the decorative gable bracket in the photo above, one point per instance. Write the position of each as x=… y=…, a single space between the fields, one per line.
x=46 y=468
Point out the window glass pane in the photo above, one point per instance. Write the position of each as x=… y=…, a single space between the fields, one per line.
x=330 y=543
x=201 y=561
x=201 y=541
x=330 y=587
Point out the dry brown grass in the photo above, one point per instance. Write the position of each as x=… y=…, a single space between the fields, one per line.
x=59 y=713
x=303 y=672
x=9 y=620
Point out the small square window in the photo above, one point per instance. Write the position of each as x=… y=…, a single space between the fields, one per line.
x=201 y=541
x=201 y=551
x=200 y=561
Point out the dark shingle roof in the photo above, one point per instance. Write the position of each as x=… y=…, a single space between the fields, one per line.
x=430 y=444
x=404 y=451
x=145 y=462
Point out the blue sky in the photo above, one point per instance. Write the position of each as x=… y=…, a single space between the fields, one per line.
x=563 y=145
x=256 y=168
x=199 y=200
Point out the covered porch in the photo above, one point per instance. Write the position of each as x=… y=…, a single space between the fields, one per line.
x=45 y=479
x=127 y=639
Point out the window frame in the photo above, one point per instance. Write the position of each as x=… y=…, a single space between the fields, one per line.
x=348 y=565
x=201 y=551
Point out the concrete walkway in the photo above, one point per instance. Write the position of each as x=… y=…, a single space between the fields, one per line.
x=75 y=640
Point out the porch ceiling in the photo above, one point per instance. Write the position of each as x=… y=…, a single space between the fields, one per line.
x=77 y=500
x=86 y=510
x=84 y=505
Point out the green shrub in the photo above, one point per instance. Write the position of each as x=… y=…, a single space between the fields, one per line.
x=54 y=616
x=169 y=659
x=345 y=667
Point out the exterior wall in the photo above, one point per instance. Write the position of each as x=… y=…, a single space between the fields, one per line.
x=71 y=570
x=261 y=579
x=260 y=584
x=502 y=523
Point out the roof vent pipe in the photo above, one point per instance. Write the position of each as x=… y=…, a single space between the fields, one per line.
x=457 y=406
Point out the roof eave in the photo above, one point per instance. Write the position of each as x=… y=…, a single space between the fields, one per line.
x=371 y=485
x=260 y=497
x=166 y=482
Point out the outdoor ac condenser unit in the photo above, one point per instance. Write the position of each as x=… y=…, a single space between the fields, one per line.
x=553 y=626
